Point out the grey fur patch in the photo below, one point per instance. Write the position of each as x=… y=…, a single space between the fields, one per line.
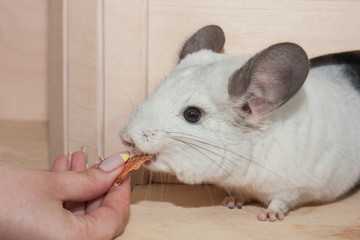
x=350 y=61
x=270 y=78
x=210 y=37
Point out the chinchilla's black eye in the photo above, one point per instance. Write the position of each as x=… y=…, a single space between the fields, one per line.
x=192 y=114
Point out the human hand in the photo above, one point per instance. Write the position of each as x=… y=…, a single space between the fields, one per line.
x=34 y=201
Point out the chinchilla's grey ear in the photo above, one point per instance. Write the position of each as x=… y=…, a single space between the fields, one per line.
x=210 y=37
x=268 y=80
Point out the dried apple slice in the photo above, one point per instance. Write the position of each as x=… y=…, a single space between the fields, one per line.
x=133 y=163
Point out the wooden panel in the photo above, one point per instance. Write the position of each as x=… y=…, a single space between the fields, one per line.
x=126 y=66
x=24 y=143
x=57 y=81
x=319 y=26
x=85 y=76
x=23 y=43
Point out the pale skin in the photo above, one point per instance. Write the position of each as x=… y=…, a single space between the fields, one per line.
x=76 y=204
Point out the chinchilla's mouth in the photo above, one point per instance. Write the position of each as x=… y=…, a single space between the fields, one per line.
x=137 y=152
x=134 y=151
x=153 y=158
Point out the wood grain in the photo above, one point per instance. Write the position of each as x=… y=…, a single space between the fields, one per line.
x=125 y=69
x=24 y=143
x=57 y=80
x=85 y=104
x=23 y=56
x=162 y=211
x=250 y=26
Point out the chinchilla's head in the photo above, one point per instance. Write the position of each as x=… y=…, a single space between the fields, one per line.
x=196 y=123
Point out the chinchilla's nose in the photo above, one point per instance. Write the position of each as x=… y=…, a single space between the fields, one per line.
x=125 y=137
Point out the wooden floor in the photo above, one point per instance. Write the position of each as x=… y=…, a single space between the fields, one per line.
x=161 y=211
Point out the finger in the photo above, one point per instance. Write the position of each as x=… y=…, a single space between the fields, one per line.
x=60 y=164
x=97 y=162
x=78 y=163
x=75 y=208
x=93 y=204
x=118 y=198
x=118 y=195
x=111 y=217
x=90 y=184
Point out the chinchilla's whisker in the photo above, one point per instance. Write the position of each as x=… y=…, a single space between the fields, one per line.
x=219 y=165
x=196 y=138
x=145 y=174
x=213 y=152
x=229 y=193
x=161 y=186
x=203 y=141
x=148 y=191
x=131 y=101
x=195 y=147
x=164 y=182
x=168 y=180
x=207 y=149
x=207 y=187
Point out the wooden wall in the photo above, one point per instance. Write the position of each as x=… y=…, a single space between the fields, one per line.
x=23 y=59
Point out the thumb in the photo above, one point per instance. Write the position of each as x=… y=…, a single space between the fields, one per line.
x=89 y=184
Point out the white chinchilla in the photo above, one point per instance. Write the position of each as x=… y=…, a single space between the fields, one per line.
x=253 y=125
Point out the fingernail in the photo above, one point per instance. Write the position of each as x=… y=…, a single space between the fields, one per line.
x=83 y=149
x=99 y=159
x=112 y=162
x=69 y=153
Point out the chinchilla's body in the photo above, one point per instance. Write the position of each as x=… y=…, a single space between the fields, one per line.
x=275 y=127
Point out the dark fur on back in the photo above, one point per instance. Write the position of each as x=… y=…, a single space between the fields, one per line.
x=350 y=61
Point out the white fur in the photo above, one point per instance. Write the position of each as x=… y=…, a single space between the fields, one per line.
x=307 y=150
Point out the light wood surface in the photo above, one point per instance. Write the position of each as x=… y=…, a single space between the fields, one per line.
x=85 y=76
x=57 y=79
x=125 y=55
x=24 y=143
x=177 y=212
x=23 y=59
x=320 y=27
x=76 y=76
